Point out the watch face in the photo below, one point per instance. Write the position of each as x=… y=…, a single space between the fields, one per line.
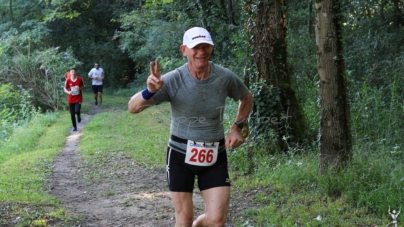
x=245 y=131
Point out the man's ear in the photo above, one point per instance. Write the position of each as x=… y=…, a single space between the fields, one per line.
x=183 y=49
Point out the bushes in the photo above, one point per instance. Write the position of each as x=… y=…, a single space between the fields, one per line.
x=15 y=108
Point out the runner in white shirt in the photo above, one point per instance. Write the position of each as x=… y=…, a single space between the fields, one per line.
x=97 y=76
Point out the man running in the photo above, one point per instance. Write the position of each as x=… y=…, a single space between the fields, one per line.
x=197 y=92
x=97 y=76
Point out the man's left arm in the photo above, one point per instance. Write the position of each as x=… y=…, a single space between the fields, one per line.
x=81 y=87
x=234 y=138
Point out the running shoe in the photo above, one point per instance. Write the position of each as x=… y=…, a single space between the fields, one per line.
x=74 y=129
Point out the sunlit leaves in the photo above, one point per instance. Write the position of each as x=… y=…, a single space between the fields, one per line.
x=150 y=3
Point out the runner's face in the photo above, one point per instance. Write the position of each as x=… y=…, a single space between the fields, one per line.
x=198 y=57
x=96 y=66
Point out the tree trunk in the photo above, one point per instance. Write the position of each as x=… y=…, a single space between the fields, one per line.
x=309 y=20
x=230 y=12
x=335 y=134
x=202 y=11
x=267 y=37
x=11 y=11
x=398 y=15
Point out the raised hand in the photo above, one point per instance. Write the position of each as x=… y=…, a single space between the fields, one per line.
x=154 y=81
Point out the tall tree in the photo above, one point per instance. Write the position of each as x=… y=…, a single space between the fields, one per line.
x=11 y=11
x=309 y=18
x=398 y=14
x=335 y=134
x=266 y=28
x=228 y=4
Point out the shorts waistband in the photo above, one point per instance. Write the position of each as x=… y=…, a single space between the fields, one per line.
x=181 y=140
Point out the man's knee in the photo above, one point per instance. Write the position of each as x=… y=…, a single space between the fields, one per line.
x=184 y=217
x=216 y=221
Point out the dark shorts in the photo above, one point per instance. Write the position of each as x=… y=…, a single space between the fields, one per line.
x=181 y=176
x=97 y=88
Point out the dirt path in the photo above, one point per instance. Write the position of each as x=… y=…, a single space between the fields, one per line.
x=124 y=196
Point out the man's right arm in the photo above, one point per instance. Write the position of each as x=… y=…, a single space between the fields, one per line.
x=154 y=83
x=137 y=103
x=90 y=74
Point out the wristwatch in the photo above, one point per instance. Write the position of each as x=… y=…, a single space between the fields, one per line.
x=239 y=124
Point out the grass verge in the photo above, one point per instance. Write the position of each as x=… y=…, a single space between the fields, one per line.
x=25 y=167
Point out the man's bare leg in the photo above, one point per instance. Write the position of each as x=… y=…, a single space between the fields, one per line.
x=99 y=99
x=184 y=208
x=96 y=99
x=216 y=207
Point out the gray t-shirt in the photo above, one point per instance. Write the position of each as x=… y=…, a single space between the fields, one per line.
x=197 y=106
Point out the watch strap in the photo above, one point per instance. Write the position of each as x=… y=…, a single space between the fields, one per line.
x=239 y=124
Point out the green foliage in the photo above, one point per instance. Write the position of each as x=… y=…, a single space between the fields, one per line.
x=302 y=64
x=263 y=123
x=87 y=28
x=378 y=108
x=378 y=182
x=150 y=3
x=372 y=55
x=123 y=36
x=21 y=11
x=157 y=30
x=239 y=47
x=373 y=50
x=27 y=37
x=152 y=33
x=60 y=9
x=15 y=103
x=15 y=109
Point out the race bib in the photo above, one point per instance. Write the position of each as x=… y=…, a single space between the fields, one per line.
x=201 y=153
x=75 y=91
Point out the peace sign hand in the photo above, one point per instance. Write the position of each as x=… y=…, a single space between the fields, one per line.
x=154 y=81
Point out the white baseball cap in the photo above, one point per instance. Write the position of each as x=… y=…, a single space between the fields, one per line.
x=195 y=36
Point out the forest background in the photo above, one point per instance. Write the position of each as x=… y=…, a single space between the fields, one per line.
x=40 y=40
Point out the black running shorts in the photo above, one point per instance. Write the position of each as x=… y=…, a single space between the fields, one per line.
x=181 y=176
x=97 y=88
